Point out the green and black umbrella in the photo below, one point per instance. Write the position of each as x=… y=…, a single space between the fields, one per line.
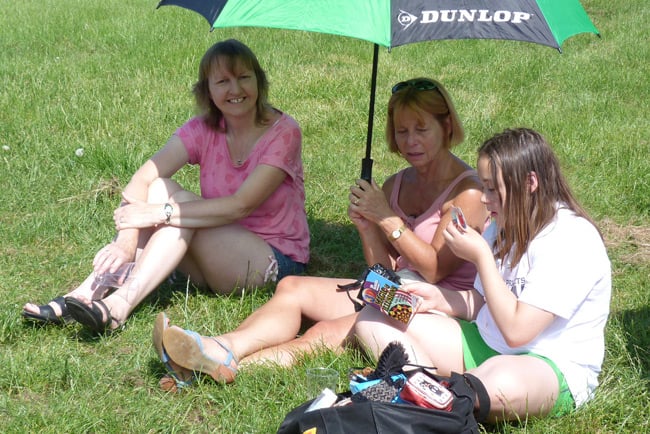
x=391 y=23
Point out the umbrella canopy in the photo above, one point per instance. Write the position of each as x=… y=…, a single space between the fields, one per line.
x=391 y=23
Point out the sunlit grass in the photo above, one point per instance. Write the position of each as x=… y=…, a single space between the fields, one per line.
x=113 y=78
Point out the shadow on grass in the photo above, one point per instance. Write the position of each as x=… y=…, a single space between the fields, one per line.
x=636 y=325
x=335 y=250
x=161 y=298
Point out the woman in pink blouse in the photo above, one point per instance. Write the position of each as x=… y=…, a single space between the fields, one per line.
x=249 y=225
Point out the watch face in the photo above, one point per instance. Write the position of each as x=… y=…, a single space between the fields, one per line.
x=168 y=210
x=396 y=233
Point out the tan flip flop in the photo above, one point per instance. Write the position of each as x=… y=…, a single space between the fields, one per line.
x=186 y=348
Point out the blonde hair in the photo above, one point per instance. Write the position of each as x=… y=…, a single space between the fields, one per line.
x=435 y=101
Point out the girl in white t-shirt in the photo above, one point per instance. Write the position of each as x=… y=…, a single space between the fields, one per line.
x=536 y=340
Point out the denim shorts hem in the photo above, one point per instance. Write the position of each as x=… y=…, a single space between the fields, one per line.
x=286 y=265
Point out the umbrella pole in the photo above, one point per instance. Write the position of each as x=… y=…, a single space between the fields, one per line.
x=366 y=163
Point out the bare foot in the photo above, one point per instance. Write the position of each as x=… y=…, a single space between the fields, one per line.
x=34 y=308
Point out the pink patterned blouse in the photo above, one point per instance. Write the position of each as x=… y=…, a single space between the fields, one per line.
x=281 y=220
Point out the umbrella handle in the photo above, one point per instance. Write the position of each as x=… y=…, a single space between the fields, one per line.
x=366 y=169
x=366 y=163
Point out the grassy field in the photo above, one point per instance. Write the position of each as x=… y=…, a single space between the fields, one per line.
x=113 y=78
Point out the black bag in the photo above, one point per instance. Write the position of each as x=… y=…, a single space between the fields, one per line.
x=358 y=284
x=367 y=416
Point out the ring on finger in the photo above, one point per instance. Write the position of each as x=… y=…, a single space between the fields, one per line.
x=356 y=201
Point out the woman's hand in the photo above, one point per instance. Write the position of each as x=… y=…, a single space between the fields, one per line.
x=111 y=257
x=137 y=214
x=467 y=244
x=368 y=203
x=357 y=219
x=430 y=295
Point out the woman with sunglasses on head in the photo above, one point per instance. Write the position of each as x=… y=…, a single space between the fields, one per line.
x=536 y=339
x=400 y=225
x=248 y=227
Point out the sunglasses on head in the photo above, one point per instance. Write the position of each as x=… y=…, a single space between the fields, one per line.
x=419 y=84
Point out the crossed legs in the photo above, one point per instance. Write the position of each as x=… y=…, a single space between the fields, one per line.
x=223 y=258
x=270 y=334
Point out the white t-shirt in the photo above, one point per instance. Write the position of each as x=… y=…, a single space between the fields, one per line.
x=565 y=271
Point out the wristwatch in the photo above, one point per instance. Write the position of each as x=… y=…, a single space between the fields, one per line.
x=168 y=209
x=397 y=233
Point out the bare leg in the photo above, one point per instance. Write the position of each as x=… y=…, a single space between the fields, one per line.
x=430 y=339
x=164 y=249
x=160 y=257
x=332 y=335
x=278 y=321
x=226 y=258
x=519 y=386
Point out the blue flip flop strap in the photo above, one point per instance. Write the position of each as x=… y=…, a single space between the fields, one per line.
x=229 y=359
x=179 y=383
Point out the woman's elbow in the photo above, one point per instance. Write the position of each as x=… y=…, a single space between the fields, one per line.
x=516 y=338
x=238 y=215
x=241 y=211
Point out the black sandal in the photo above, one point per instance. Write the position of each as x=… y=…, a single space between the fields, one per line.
x=46 y=314
x=91 y=316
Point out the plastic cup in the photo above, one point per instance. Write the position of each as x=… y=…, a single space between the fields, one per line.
x=117 y=279
x=319 y=379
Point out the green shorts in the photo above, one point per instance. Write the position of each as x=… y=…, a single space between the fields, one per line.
x=476 y=351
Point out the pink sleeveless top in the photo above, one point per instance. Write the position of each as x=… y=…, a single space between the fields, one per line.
x=425 y=225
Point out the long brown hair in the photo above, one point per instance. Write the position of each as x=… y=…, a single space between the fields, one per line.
x=515 y=153
x=228 y=54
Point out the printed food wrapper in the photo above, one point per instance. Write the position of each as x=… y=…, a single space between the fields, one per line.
x=385 y=295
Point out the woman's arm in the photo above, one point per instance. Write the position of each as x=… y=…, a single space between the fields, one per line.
x=434 y=260
x=376 y=247
x=518 y=322
x=259 y=185
x=459 y=304
x=123 y=247
x=376 y=223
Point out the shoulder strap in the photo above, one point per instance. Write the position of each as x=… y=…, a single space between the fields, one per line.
x=466 y=174
x=482 y=395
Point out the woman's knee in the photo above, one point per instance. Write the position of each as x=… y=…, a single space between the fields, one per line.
x=288 y=293
x=369 y=325
x=165 y=189
x=289 y=285
x=514 y=390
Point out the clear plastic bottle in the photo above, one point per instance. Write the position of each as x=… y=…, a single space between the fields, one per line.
x=116 y=279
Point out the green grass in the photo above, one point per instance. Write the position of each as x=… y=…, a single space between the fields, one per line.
x=114 y=78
